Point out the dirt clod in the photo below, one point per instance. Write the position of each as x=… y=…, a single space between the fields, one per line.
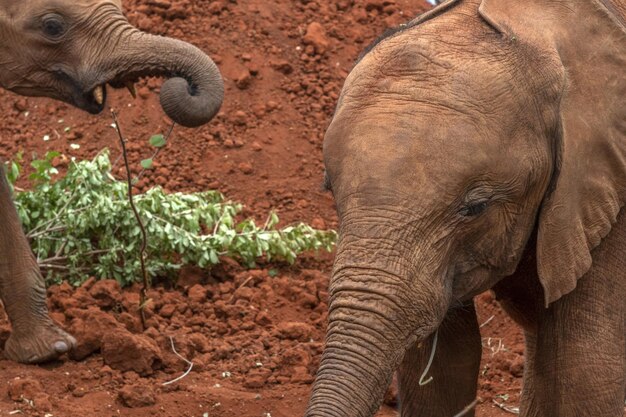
x=137 y=395
x=124 y=351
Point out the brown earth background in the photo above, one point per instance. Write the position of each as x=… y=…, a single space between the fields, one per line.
x=255 y=339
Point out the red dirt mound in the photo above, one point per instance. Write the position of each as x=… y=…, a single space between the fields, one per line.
x=254 y=338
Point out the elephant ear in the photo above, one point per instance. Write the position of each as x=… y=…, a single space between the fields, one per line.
x=588 y=39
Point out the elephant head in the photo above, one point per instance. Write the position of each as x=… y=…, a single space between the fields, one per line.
x=455 y=140
x=70 y=50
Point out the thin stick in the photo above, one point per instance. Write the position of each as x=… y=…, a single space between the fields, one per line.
x=486 y=321
x=512 y=410
x=66 y=258
x=243 y=284
x=143 y=293
x=467 y=409
x=186 y=361
x=423 y=382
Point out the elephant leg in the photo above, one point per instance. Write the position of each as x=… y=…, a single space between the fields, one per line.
x=34 y=337
x=575 y=349
x=575 y=364
x=454 y=370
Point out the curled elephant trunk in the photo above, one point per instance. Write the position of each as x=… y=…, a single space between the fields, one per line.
x=194 y=92
x=373 y=320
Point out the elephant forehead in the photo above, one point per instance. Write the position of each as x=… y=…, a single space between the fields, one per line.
x=391 y=150
x=427 y=69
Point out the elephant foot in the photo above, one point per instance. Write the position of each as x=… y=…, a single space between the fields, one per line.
x=43 y=343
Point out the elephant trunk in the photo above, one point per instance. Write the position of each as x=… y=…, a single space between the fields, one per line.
x=375 y=314
x=194 y=92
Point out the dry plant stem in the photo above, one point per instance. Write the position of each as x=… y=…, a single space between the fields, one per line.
x=144 y=236
x=467 y=409
x=243 y=284
x=187 y=361
x=423 y=382
x=486 y=321
x=512 y=410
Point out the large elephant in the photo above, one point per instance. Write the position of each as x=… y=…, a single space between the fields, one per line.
x=481 y=146
x=69 y=50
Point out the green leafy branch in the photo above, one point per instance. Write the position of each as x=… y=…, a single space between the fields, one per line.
x=82 y=225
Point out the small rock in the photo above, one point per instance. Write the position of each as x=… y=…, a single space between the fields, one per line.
x=243 y=80
x=256 y=378
x=124 y=351
x=516 y=367
x=24 y=388
x=167 y=310
x=316 y=35
x=318 y=223
x=263 y=319
x=240 y=118
x=246 y=168
x=197 y=293
x=88 y=328
x=200 y=342
x=272 y=105
x=295 y=331
x=282 y=66
x=216 y=7
x=136 y=396
x=301 y=375
x=106 y=293
x=21 y=104
x=143 y=92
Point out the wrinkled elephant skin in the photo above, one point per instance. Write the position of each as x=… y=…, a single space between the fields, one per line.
x=481 y=146
x=70 y=51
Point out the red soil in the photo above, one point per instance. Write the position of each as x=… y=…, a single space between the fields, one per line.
x=255 y=340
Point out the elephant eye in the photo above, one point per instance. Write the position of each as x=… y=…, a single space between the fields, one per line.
x=474 y=208
x=53 y=26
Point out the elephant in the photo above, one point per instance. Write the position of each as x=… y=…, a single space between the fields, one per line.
x=69 y=50
x=482 y=146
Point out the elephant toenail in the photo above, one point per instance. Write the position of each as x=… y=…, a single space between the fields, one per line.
x=60 y=347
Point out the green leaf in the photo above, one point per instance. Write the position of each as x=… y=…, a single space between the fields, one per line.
x=147 y=163
x=86 y=217
x=158 y=141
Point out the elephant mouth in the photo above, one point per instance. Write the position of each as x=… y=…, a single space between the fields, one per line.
x=94 y=99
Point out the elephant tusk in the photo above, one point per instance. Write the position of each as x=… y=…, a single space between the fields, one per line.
x=98 y=95
x=131 y=88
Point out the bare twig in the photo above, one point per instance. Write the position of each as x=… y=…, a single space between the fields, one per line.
x=52 y=266
x=487 y=343
x=48 y=226
x=467 y=409
x=143 y=294
x=423 y=382
x=34 y=236
x=61 y=248
x=187 y=361
x=57 y=259
x=512 y=410
x=243 y=284
x=487 y=321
